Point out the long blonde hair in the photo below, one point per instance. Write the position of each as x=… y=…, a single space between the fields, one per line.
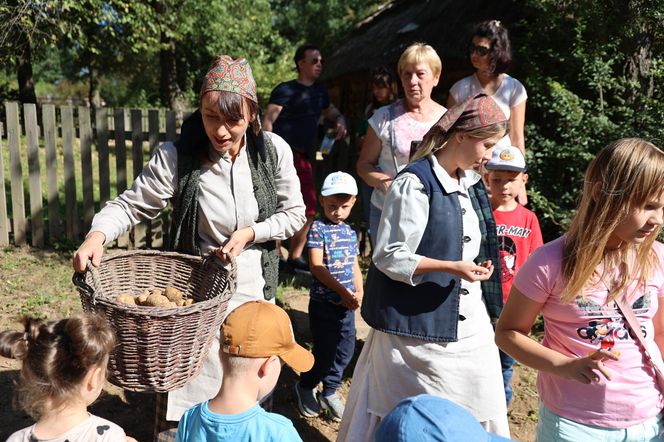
x=630 y=172
x=437 y=138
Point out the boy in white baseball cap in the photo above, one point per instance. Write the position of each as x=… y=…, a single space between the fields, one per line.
x=517 y=227
x=336 y=292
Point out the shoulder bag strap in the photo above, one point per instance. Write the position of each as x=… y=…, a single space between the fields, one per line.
x=635 y=325
x=393 y=137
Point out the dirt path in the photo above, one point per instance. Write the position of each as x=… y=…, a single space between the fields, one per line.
x=39 y=283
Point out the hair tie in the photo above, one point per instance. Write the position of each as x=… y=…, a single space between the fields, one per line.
x=497 y=23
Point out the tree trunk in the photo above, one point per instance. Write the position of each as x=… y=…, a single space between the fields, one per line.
x=94 y=94
x=26 y=84
x=170 y=89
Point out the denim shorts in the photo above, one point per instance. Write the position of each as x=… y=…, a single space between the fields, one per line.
x=551 y=427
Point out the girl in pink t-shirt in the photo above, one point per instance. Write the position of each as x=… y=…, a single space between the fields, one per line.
x=594 y=382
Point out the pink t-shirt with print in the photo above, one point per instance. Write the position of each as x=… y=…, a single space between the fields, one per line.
x=586 y=325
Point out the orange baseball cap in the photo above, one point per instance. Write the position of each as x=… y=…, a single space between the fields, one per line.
x=261 y=329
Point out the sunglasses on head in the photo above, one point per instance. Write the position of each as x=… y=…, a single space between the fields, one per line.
x=479 y=50
x=317 y=60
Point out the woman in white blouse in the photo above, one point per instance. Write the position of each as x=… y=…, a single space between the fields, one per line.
x=234 y=191
x=392 y=129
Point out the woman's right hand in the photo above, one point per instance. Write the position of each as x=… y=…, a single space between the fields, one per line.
x=586 y=370
x=472 y=272
x=91 y=249
x=385 y=184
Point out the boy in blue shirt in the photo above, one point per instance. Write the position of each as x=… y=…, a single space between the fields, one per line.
x=257 y=340
x=336 y=292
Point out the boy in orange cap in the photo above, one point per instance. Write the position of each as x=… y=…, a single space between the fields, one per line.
x=257 y=340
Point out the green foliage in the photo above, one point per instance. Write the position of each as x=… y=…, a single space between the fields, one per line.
x=323 y=23
x=593 y=71
x=113 y=46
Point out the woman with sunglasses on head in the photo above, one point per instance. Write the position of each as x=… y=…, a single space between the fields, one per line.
x=392 y=129
x=490 y=55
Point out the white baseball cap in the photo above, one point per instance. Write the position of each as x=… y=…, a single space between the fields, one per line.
x=339 y=183
x=507 y=158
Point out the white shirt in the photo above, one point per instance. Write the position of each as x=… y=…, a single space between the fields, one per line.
x=406 y=130
x=509 y=94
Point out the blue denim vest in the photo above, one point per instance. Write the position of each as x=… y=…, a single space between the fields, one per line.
x=430 y=310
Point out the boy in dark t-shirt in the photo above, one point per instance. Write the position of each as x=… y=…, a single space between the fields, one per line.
x=517 y=227
x=336 y=292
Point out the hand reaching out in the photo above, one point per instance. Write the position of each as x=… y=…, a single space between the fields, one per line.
x=472 y=272
x=587 y=370
x=91 y=249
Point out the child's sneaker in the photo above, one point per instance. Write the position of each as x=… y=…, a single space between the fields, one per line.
x=333 y=405
x=307 y=401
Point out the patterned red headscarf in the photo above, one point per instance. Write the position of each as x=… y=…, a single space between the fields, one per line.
x=476 y=112
x=230 y=75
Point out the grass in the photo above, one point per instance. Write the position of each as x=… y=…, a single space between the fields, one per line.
x=36 y=283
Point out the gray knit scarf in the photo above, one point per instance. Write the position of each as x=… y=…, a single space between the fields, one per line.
x=192 y=148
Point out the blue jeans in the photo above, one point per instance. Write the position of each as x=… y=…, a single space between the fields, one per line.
x=554 y=428
x=366 y=192
x=374 y=222
x=506 y=363
x=333 y=332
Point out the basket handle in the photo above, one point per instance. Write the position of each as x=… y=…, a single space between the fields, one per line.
x=78 y=278
x=231 y=282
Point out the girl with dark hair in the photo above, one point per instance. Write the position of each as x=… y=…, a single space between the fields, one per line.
x=63 y=372
x=490 y=54
x=234 y=190
x=383 y=92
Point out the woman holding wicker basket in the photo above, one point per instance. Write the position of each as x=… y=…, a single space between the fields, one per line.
x=234 y=191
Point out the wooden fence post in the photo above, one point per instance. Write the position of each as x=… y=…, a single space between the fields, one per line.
x=4 y=221
x=171 y=123
x=18 y=202
x=36 y=208
x=137 y=163
x=50 y=130
x=102 y=156
x=121 y=162
x=155 y=237
x=71 y=215
x=85 y=136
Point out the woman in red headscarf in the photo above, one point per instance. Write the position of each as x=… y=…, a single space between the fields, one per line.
x=234 y=191
x=432 y=290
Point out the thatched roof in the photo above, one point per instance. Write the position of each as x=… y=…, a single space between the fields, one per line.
x=444 y=24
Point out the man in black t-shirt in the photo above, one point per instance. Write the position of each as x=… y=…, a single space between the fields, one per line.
x=293 y=113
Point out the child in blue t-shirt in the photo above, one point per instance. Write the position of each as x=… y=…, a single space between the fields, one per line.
x=336 y=292
x=257 y=340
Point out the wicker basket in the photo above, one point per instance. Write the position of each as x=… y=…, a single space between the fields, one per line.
x=159 y=349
